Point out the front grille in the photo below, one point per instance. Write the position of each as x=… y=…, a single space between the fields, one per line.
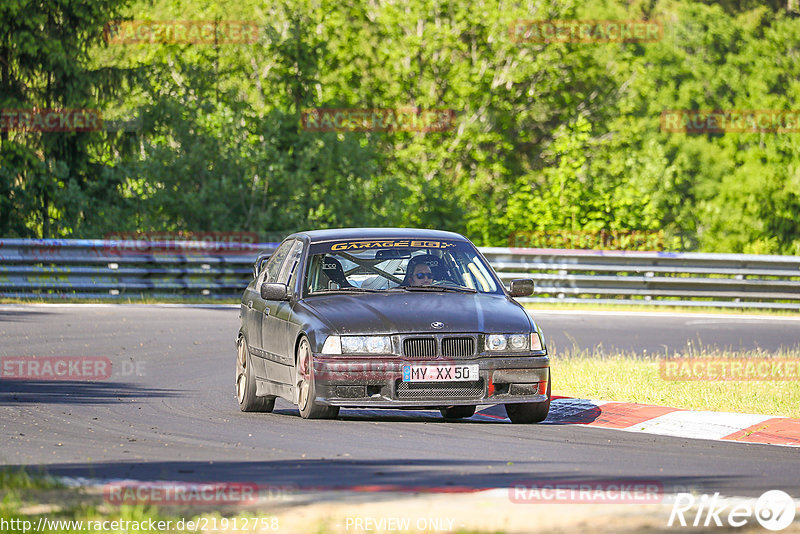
x=463 y=390
x=458 y=347
x=419 y=347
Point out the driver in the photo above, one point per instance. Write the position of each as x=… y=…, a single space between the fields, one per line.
x=418 y=273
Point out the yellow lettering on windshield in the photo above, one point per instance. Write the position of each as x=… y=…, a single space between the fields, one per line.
x=358 y=245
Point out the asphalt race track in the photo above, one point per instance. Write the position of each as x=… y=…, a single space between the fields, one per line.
x=168 y=412
x=664 y=332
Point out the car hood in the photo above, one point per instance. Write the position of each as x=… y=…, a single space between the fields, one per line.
x=407 y=312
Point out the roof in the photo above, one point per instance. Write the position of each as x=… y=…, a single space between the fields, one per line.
x=317 y=236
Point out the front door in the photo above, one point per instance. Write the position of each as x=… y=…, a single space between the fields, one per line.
x=259 y=308
x=275 y=325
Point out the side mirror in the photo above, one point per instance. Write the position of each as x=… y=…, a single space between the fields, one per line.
x=521 y=287
x=274 y=291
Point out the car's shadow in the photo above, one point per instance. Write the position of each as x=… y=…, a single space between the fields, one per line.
x=371 y=477
x=563 y=411
x=397 y=416
x=34 y=392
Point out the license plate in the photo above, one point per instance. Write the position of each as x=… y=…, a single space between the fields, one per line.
x=440 y=373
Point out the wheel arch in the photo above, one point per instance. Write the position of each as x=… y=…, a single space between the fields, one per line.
x=300 y=335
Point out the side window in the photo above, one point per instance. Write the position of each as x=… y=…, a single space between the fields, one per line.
x=273 y=266
x=290 y=265
x=258 y=266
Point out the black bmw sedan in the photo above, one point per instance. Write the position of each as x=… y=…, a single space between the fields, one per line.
x=388 y=318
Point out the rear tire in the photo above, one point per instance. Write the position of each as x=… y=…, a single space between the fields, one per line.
x=530 y=412
x=307 y=394
x=246 y=383
x=457 y=412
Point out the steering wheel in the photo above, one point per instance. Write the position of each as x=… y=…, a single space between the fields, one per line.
x=445 y=283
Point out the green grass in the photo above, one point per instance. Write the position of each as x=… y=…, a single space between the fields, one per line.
x=27 y=497
x=589 y=306
x=636 y=378
x=20 y=479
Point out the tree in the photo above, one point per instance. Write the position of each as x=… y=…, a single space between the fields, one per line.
x=48 y=179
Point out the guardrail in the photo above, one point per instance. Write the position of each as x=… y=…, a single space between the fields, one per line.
x=79 y=268
x=93 y=268
x=660 y=278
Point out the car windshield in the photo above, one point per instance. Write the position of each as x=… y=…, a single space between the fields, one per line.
x=398 y=265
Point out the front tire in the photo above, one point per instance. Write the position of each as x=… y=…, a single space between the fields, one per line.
x=457 y=412
x=306 y=388
x=530 y=412
x=246 y=383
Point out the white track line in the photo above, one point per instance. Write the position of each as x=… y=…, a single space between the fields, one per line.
x=686 y=315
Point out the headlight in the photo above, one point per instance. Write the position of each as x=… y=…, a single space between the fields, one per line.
x=496 y=342
x=518 y=342
x=507 y=342
x=366 y=345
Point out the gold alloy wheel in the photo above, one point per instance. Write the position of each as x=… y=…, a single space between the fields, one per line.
x=304 y=370
x=241 y=371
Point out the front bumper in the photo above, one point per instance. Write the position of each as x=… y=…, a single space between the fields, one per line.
x=377 y=382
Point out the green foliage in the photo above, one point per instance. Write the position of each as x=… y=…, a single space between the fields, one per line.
x=547 y=136
x=48 y=179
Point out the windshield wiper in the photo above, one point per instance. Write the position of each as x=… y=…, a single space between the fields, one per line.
x=346 y=290
x=437 y=288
